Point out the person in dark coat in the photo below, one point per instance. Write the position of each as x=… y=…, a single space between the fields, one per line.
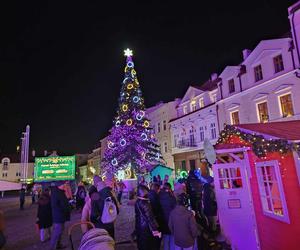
x=22 y=198
x=209 y=203
x=80 y=196
x=194 y=190
x=44 y=215
x=168 y=202
x=97 y=205
x=156 y=208
x=183 y=225
x=60 y=213
x=146 y=226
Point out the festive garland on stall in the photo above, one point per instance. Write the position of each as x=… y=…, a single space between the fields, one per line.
x=260 y=145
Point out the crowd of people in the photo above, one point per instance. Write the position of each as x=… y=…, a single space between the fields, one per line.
x=168 y=215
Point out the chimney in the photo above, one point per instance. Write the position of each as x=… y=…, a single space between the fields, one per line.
x=213 y=76
x=246 y=53
x=45 y=152
x=33 y=153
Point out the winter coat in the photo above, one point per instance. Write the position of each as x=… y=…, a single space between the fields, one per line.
x=86 y=214
x=209 y=200
x=60 y=206
x=183 y=226
x=22 y=194
x=44 y=214
x=168 y=202
x=194 y=187
x=145 y=223
x=97 y=205
x=155 y=205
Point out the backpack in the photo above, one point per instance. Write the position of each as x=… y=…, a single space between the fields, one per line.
x=109 y=213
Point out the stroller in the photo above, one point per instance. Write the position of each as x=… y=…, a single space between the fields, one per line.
x=94 y=239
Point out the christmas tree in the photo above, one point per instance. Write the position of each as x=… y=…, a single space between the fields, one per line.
x=131 y=143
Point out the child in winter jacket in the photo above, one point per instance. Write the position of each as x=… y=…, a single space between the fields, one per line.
x=183 y=225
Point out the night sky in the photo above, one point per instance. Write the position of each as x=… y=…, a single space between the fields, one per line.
x=61 y=63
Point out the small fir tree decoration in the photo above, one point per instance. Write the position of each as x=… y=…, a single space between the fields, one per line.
x=131 y=143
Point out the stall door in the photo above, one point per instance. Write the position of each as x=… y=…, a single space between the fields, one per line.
x=235 y=207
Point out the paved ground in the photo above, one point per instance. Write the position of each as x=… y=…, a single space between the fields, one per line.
x=21 y=232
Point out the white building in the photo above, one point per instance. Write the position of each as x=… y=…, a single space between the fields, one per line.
x=196 y=120
x=159 y=116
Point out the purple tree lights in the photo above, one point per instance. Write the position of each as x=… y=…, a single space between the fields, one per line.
x=131 y=143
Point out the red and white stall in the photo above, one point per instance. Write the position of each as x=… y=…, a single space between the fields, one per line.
x=257 y=183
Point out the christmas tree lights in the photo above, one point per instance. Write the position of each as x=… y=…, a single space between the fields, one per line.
x=131 y=143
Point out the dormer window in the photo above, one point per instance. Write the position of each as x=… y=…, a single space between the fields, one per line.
x=231 y=86
x=278 y=63
x=5 y=163
x=201 y=102
x=258 y=73
x=193 y=105
x=214 y=98
x=185 y=110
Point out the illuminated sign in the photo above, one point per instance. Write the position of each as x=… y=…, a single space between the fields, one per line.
x=54 y=168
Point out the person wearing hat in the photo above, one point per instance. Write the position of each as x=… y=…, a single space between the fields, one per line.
x=209 y=203
x=60 y=213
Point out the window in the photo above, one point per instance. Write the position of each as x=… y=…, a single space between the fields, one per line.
x=185 y=110
x=213 y=131
x=158 y=127
x=192 y=164
x=193 y=105
x=230 y=178
x=165 y=125
x=258 y=73
x=286 y=105
x=263 y=112
x=5 y=164
x=166 y=147
x=214 y=98
x=192 y=138
x=235 y=118
x=201 y=102
x=201 y=133
x=271 y=190
x=231 y=86
x=278 y=63
x=176 y=140
x=183 y=166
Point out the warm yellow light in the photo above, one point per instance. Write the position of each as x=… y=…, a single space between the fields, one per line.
x=130 y=86
x=146 y=124
x=128 y=52
x=125 y=107
x=129 y=122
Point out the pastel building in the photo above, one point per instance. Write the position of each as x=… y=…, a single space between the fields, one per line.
x=197 y=120
x=159 y=116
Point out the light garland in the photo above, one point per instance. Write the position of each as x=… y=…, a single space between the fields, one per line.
x=144 y=136
x=146 y=124
x=136 y=99
x=114 y=162
x=123 y=142
x=124 y=107
x=129 y=122
x=130 y=86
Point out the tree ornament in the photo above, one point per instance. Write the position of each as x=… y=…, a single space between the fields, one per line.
x=123 y=142
x=146 y=124
x=130 y=86
x=110 y=144
x=130 y=64
x=124 y=107
x=129 y=122
x=144 y=136
x=118 y=123
x=136 y=99
x=114 y=162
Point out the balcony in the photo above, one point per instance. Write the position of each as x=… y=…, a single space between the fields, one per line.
x=186 y=143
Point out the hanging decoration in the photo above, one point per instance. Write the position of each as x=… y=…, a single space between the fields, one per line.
x=123 y=142
x=129 y=122
x=124 y=107
x=144 y=136
x=260 y=145
x=114 y=162
x=146 y=124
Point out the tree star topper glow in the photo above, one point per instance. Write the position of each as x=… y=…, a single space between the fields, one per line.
x=128 y=52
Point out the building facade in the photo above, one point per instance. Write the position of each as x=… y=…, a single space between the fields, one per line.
x=159 y=116
x=11 y=168
x=197 y=120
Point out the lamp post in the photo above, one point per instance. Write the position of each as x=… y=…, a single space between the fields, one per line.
x=25 y=153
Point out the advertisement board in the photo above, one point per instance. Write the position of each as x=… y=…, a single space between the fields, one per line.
x=54 y=168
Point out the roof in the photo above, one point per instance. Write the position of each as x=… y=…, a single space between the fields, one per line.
x=288 y=130
x=208 y=85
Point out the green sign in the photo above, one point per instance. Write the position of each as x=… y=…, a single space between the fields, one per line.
x=54 y=168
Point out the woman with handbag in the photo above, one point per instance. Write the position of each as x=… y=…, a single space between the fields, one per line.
x=145 y=224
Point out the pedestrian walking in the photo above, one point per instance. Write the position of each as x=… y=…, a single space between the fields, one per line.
x=142 y=181
x=194 y=190
x=86 y=211
x=22 y=198
x=146 y=226
x=210 y=204
x=44 y=215
x=60 y=214
x=183 y=226
x=101 y=202
x=121 y=186
x=80 y=196
x=168 y=203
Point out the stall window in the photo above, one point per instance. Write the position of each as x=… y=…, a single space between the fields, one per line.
x=230 y=178
x=271 y=190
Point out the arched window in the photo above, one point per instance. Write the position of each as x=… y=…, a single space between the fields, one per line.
x=5 y=163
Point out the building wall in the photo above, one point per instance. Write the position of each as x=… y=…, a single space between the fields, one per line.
x=159 y=117
x=14 y=171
